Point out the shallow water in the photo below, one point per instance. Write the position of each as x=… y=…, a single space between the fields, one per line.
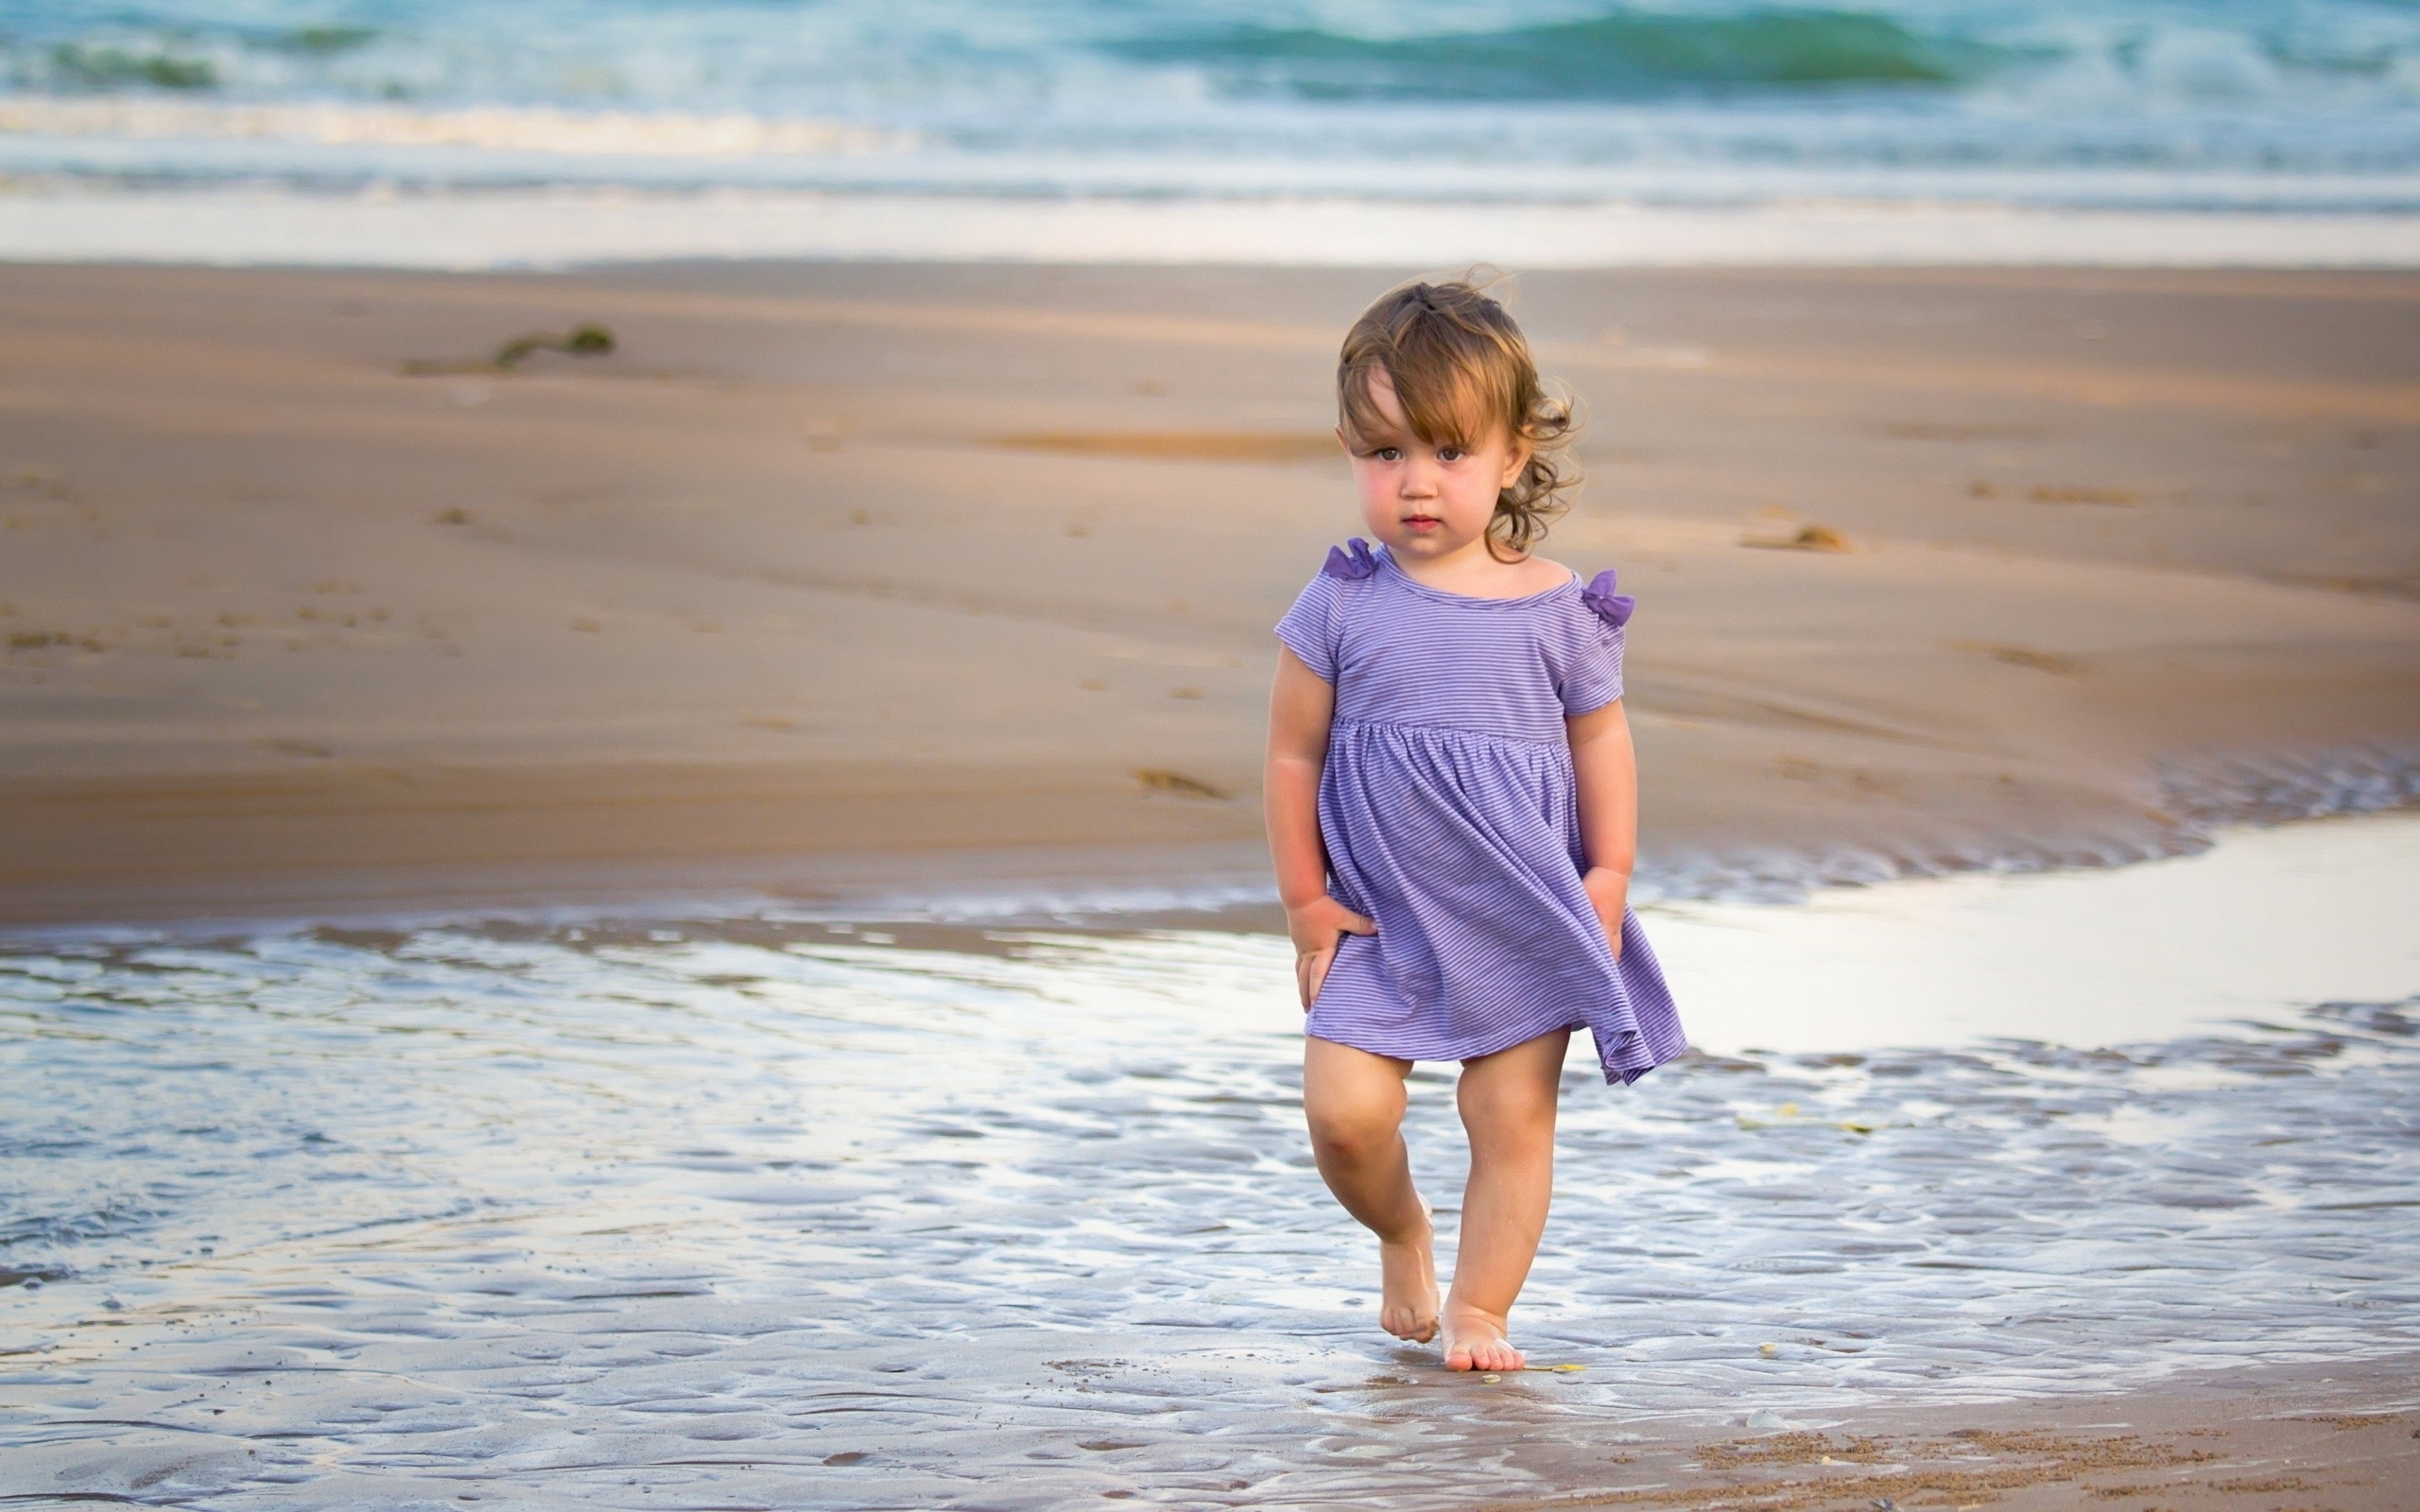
x=786 y=1215
x=2300 y=914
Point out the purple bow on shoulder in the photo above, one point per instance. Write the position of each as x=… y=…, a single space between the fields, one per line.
x=1613 y=608
x=1351 y=561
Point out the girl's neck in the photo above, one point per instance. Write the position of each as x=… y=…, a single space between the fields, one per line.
x=1475 y=572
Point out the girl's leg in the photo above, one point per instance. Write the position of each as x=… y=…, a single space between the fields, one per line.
x=1508 y=1103
x=1355 y=1102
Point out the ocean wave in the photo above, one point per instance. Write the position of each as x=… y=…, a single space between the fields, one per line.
x=952 y=58
x=499 y=127
x=1622 y=54
x=2263 y=104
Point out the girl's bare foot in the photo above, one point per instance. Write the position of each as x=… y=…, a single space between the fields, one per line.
x=1407 y=1283
x=1475 y=1341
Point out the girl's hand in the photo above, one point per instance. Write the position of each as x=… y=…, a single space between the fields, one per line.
x=1316 y=927
x=1609 y=890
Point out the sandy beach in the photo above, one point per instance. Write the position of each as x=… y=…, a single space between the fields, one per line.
x=833 y=583
x=829 y=576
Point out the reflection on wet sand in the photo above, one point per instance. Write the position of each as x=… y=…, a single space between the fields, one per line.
x=2301 y=914
x=775 y=1216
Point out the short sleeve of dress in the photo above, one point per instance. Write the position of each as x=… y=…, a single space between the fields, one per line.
x=1591 y=675
x=1309 y=628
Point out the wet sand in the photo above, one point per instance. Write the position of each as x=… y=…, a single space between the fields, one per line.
x=833 y=577
x=2277 y=1440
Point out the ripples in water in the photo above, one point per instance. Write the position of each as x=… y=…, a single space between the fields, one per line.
x=773 y=1215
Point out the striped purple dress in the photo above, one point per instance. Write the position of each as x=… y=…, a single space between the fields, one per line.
x=1450 y=816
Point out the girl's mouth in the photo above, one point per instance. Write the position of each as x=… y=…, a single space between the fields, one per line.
x=1422 y=522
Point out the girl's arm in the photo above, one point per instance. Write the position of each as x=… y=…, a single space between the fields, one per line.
x=1607 y=770
x=1300 y=706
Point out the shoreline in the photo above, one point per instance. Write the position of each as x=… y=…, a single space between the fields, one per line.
x=155 y=859
x=835 y=576
x=492 y=228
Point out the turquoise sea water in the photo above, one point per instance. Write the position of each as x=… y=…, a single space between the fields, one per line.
x=2258 y=104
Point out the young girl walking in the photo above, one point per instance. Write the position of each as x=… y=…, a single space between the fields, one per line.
x=1452 y=807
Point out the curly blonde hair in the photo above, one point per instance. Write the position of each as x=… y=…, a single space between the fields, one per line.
x=1462 y=370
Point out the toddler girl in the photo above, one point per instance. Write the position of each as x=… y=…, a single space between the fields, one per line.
x=1452 y=807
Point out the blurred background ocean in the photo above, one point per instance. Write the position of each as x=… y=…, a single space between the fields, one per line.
x=2233 y=107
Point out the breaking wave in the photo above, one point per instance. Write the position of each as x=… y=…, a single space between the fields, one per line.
x=1548 y=101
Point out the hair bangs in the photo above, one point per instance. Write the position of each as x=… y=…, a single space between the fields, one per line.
x=1445 y=402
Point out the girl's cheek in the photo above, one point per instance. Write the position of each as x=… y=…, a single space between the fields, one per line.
x=1377 y=495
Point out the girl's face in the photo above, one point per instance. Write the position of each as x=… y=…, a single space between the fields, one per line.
x=1426 y=500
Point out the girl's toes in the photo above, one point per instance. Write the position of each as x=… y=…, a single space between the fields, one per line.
x=1407 y=1324
x=1480 y=1345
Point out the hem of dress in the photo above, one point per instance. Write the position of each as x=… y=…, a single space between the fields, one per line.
x=1474 y=1054
x=1638 y=1051
x=1622 y=1072
x=1627 y=1072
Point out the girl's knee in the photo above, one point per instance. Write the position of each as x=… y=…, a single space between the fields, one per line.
x=1509 y=1116
x=1352 y=1130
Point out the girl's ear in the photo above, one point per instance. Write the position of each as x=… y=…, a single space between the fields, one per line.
x=1515 y=458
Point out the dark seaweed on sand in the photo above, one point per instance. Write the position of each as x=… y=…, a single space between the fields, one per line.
x=586 y=340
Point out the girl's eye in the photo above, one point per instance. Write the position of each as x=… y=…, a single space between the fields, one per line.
x=1450 y=453
x=1389 y=454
